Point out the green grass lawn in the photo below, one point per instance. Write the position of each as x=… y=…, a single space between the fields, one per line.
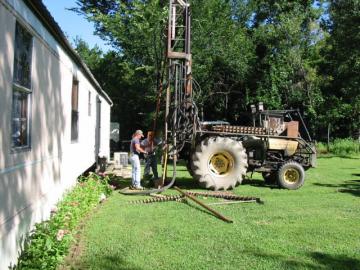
x=315 y=227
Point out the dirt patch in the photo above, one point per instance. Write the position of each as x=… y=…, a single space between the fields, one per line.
x=73 y=259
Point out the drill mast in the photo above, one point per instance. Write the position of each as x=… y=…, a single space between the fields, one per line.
x=181 y=111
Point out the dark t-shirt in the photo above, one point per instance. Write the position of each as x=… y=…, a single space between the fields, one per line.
x=132 y=146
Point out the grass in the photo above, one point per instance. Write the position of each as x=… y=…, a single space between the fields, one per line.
x=315 y=227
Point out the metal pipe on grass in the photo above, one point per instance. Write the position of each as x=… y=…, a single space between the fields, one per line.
x=217 y=214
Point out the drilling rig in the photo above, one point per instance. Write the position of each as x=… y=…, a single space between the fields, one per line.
x=218 y=154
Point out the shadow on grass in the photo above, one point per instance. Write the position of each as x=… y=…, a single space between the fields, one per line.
x=181 y=170
x=190 y=183
x=259 y=183
x=321 y=261
x=335 y=262
x=349 y=186
x=187 y=183
x=106 y=262
x=119 y=182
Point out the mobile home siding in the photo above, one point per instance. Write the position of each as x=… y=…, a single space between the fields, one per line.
x=33 y=180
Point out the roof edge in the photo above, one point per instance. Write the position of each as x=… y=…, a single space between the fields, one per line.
x=43 y=14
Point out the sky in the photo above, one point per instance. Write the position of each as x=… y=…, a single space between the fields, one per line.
x=72 y=24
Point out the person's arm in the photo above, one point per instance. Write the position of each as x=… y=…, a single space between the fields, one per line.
x=139 y=149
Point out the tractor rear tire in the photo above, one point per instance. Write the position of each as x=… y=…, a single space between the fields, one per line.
x=291 y=175
x=219 y=163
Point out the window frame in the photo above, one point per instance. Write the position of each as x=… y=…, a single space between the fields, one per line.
x=89 y=104
x=16 y=87
x=75 y=82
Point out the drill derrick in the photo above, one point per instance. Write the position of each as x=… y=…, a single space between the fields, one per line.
x=179 y=33
x=181 y=112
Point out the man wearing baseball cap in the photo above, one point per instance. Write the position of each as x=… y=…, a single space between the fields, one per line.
x=135 y=151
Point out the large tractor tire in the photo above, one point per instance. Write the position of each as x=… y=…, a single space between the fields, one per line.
x=219 y=163
x=291 y=175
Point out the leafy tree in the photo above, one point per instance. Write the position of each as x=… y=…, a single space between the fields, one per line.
x=222 y=57
x=116 y=76
x=244 y=52
x=283 y=76
x=341 y=68
x=133 y=73
x=92 y=57
x=134 y=28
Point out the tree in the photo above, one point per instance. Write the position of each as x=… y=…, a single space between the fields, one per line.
x=133 y=72
x=135 y=28
x=341 y=68
x=117 y=78
x=92 y=57
x=283 y=75
x=223 y=54
x=243 y=52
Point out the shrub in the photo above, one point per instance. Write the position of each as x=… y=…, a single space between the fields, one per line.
x=340 y=147
x=48 y=243
x=321 y=148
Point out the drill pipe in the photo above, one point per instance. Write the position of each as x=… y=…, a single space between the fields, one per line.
x=203 y=205
x=225 y=195
x=159 y=199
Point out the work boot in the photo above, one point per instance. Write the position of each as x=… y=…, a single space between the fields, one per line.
x=150 y=183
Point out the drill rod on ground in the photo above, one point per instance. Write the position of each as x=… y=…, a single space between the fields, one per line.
x=203 y=205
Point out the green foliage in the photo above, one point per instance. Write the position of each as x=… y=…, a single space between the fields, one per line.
x=340 y=147
x=49 y=241
x=283 y=76
x=133 y=72
x=92 y=57
x=287 y=54
x=341 y=67
x=135 y=28
x=223 y=55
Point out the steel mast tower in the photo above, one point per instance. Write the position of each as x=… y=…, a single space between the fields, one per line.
x=181 y=112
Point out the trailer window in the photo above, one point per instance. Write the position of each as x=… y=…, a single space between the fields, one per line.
x=74 y=111
x=89 y=104
x=21 y=88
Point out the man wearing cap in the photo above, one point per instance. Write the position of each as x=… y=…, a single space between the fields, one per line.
x=135 y=151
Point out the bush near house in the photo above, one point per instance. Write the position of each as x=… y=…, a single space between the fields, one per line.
x=340 y=147
x=49 y=241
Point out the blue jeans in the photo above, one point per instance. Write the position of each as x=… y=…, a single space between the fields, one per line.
x=136 y=170
x=151 y=162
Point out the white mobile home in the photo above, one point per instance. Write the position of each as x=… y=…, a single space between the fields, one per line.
x=54 y=119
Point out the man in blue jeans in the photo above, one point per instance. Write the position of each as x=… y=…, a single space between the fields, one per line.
x=150 y=144
x=135 y=151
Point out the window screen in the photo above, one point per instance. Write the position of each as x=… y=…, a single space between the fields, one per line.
x=21 y=88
